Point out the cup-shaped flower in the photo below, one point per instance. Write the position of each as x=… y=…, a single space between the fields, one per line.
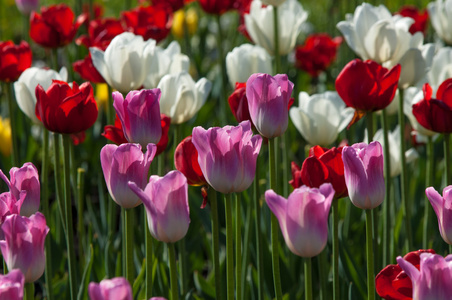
x=268 y=100
x=166 y=202
x=23 y=244
x=441 y=67
x=216 y=7
x=24 y=180
x=87 y=71
x=245 y=60
x=420 y=18
x=432 y=279
x=63 y=109
x=186 y=162
x=100 y=33
x=122 y=164
x=174 y=4
x=14 y=59
x=139 y=114
x=442 y=205
x=181 y=97
x=363 y=171
x=9 y=205
x=27 y=6
x=117 y=288
x=412 y=96
x=25 y=87
x=259 y=25
x=227 y=156
x=321 y=117
x=239 y=103
x=440 y=12
x=303 y=217
x=12 y=285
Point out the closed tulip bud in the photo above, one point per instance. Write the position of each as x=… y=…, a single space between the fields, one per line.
x=186 y=162
x=27 y=6
x=12 y=285
x=184 y=20
x=442 y=205
x=117 y=288
x=14 y=59
x=5 y=136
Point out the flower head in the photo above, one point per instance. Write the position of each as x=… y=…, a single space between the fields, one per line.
x=117 y=288
x=14 y=59
x=12 y=285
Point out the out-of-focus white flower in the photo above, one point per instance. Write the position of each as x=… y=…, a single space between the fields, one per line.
x=411 y=96
x=441 y=67
x=245 y=60
x=259 y=24
x=440 y=14
x=321 y=117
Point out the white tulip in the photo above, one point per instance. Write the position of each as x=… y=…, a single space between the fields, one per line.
x=321 y=117
x=24 y=88
x=440 y=14
x=245 y=60
x=441 y=67
x=412 y=96
x=181 y=97
x=259 y=24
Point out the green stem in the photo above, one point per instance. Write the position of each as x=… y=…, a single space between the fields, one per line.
x=221 y=61
x=149 y=257
x=308 y=278
x=257 y=222
x=29 y=291
x=46 y=211
x=12 y=119
x=336 y=291
x=429 y=182
x=276 y=38
x=370 y=127
x=285 y=162
x=58 y=176
x=229 y=247
x=447 y=157
x=173 y=271
x=370 y=256
x=215 y=243
x=128 y=224
x=238 y=246
x=80 y=214
x=110 y=109
x=386 y=203
x=183 y=266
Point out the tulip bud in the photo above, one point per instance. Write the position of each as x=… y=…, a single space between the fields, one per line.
x=6 y=147
x=116 y=288
x=12 y=285
x=27 y=6
x=14 y=60
x=442 y=205
x=186 y=161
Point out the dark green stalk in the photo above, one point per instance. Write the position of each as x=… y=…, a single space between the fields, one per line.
x=58 y=176
x=29 y=291
x=428 y=183
x=276 y=38
x=370 y=256
x=110 y=109
x=149 y=257
x=387 y=171
x=335 y=215
x=238 y=246
x=46 y=211
x=229 y=247
x=80 y=214
x=257 y=222
x=215 y=243
x=285 y=161
x=12 y=119
x=308 y=278
x=173 y=271
x=128 y=255
x=223 y=97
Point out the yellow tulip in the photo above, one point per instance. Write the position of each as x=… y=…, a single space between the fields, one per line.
x=185 y=19
x=102 y=95
x=5 y=137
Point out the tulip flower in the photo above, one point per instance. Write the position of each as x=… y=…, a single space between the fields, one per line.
x=166 y=202
x=363 y=171
x=5 y=136
x=259 y=24
x=55 y=26
x=181 y=97
x=321 y=117
x=9 y=205
x=442 y=205
x=87 y=71
x=63 y=109
x=393 y=283
x=303 y=217
x=23 y=244
x=14 y=59
x=239 y=103
x=117 y=288
x=216 y=7
x=186 y=162
x=100 y=33
x=174 y=4
x=440 y=13
x=412 y=96
x=27 y=6
x=227 y=156
x=123 y=164
x=317 y=53
x=24 y=180
x=441 y=67
x=12 y=285
x=420 y=18
x=268 y=100
x=184 y=21
x=245 y=60
x=139 y=114
x=432 y=279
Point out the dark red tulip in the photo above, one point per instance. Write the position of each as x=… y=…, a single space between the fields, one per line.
x=87 y=70
x=63 y=109
x=186 y=161
x=98 y=12
x=436 y=114
x=296 y=181
x=14 y=59
x=55 y=26
x=100 y=33
x=173 y=4
x=78 y=138
x=239 y=103
x=163 y=143
x=420 y=18
x=216 y=7
x=317 y=53
x=394 y=284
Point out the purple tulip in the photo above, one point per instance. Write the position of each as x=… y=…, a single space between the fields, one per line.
x=23 y=244
x=227 y=156
x=139 y=114
x=363 y=171
x=12 y=285
x=268 y=101
x=166 y=202
x=122 y=164
x=443 y=209
x=117 y=288
x=9 y=206
x=303 y=217
x=27 y=6
x=24 y=183
x=433 y=279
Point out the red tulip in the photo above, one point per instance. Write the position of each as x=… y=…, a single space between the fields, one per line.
x=63 y=109
x=317 y=53
x=173 y=4
x=14 y=60
x=436 y=114
x=55 y=26
x=87 y=71
x=216 y=7
x=394 y=284
x=420 y=18
x=100 y=33
x=186 y=161
x=161 y=145
x=239 y=103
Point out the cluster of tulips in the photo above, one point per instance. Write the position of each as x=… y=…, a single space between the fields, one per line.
x=69 y=139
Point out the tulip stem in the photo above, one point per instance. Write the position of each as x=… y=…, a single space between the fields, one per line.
x=429 y=182
x=29 y=291
x=12 y=119
x=149 y=256
x=229 y=247
x=238 y=246
x=308 y=278
x=259 y=255
x=58 y=187
x=336 y=290
x=387 y=173
x=80 y=214
x=447 y=157
x=110 y=110
x=221 y=61
x=370 y=256
x=215 y=243
x=276 y=38
x=173 y=271
x=128 y=255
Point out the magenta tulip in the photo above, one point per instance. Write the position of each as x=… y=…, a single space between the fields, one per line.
x=227 y=156
x=12 y=285
x=110 y=289
x=24 y=183
x=139 y=114
x=303 y=217
x=268 y=101
x=166 y=202
x=9 y=206
x=443 y=209
x=433 y=279
x=23 y=244
x=122 y=164
x=363 y=171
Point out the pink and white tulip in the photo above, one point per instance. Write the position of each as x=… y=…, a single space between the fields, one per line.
x=442 y=205
x=12 y=285
x=110 y=289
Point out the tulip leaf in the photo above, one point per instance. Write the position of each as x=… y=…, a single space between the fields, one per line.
x=137 y=284
x=82 y=292
x=349 y=266
x=202 y=285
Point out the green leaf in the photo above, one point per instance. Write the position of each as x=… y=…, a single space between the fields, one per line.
x=83 y=290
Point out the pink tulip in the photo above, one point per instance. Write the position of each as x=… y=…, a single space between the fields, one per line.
x=443 y=209
x=227 y=156
x=27 y=6
x=122 y=164
x=110 y=289
x=23 y=244
x=12 y=285
x=139 y=114
x=9 y=206
x=268 y=101
x=303 y=217
x=24 y=179
x=166 y=202
x=433 y=279
x=363 y=171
